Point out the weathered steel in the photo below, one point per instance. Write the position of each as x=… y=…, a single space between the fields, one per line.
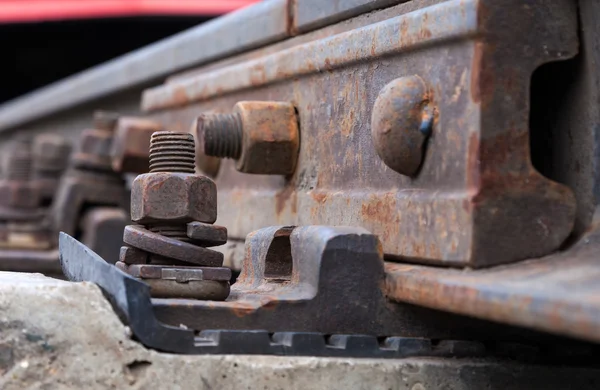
x=165 y=201
x=318 y=279
x=170 y=248
x=557 y=294
x=79 y=190
x=329 y=266
x=477 y=201
x=401 y=123
x=90 y=194
x=102 y=230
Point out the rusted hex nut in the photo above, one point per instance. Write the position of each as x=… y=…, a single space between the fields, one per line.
x=105 y=120
x=94 y=149
x=170 y=197
x=401 y=122
x=19 y=194
x=130 y=148
x=51 y=153
x=263 y=137
x=270 y=139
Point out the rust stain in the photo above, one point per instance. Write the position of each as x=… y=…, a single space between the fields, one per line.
x=319 y=197
x=242 y=309
x=180 y=96
x=381 y=211
x=476 y=70
x=473 y=163
x=282 y=197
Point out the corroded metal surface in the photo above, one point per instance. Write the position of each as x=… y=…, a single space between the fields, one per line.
x=477 y=201
x=319 y=279
x=102 y=230
x=79 y=190
x=557 y=294
x=172 y=248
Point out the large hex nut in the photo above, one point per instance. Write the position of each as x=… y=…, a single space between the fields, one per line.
x=94 y=149
x=161 y=197
x=51 y=153
x=19 y=194
x=130 y=149
x=270 y=139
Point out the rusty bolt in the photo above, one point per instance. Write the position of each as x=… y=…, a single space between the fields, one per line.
x=262 y=137
x=50 y=154
x=130 y=148
x=171 y=192
x=17 y=190
x=401 y=122
x=94 y=150
x=164 y=200
x=105 y=120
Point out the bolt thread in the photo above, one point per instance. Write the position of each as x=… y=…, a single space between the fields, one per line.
x=172 y=152
x=222 y=135
x=19 y=162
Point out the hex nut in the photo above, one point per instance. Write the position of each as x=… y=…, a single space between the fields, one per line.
x=105 y=120
x=94 y=149
x=19 y=194
x=131 y=147
x=51 y=153
x=270 y=138
x=168 y=197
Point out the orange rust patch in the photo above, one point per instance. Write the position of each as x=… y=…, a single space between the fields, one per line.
x=242 y=309
x=381 y=210
x=319 y=197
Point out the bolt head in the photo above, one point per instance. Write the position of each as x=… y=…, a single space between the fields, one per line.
x=397 y=123
x=19 y=194
x=270 y=140
x=161 y=197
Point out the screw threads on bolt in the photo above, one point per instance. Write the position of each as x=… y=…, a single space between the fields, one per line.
x=222 y=135
x=172 y=152
x=19 y=162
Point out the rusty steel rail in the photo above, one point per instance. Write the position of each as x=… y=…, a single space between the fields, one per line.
x=476 y=201
x=558 y=294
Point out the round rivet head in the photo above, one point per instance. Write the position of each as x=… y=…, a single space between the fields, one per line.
x=401 y=122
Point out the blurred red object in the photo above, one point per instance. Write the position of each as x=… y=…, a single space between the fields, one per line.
x=16 y=11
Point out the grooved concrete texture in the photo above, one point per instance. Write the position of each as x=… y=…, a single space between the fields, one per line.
x=61 y=335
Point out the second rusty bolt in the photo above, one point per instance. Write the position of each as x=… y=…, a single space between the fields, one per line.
x=262 y=137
